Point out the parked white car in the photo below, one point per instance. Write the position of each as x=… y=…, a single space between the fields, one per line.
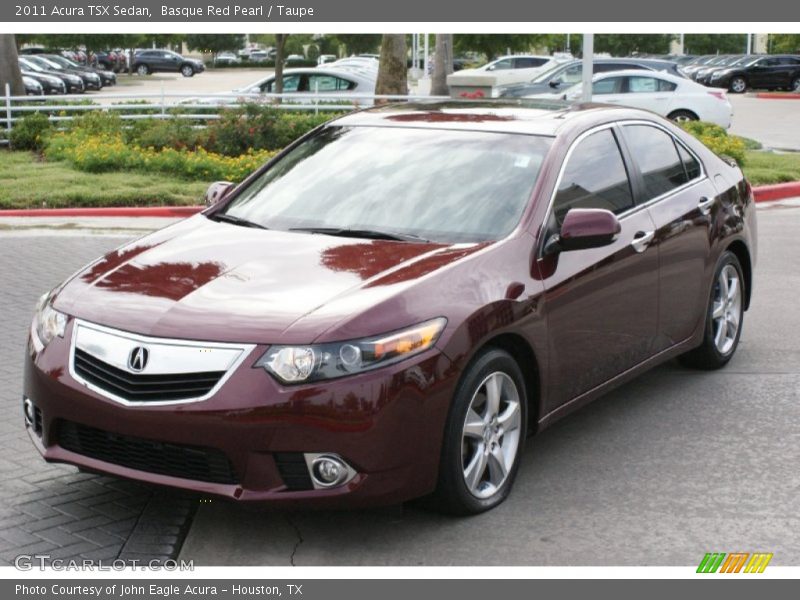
x=514 y=69
x=673 y=97
x=307 y=80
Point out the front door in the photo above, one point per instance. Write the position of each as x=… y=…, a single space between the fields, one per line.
x=602 y=303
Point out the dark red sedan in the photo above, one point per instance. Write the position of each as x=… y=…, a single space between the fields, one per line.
x=391 y=306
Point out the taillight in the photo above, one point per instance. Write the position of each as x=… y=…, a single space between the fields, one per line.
x=719 y=95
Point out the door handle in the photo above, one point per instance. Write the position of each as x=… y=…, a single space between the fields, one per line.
x=705 y=205
x=642 y=239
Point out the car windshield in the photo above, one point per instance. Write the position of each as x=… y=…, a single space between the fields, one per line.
x=439 y=185
x=547 y=75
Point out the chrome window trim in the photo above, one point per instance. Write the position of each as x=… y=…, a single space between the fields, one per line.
x=636 y=207
x=246 y=351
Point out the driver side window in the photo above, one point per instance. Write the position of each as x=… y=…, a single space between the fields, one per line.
x=594 y=177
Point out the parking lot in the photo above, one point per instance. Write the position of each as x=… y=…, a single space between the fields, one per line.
x=671 y=466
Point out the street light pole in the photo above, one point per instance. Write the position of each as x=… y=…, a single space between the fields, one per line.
x=588 y=59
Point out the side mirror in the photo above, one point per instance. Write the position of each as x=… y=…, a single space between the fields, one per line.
x=554 y=84
x=584 y=228
x=491 y=68
x=217 y=191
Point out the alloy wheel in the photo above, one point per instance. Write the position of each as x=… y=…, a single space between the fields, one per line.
x=726 y=311
x=491 y=434
x=738 y=85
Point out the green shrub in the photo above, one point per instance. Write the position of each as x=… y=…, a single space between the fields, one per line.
x=259 y=127
x=718 y=140
x=31 y=132
x=163 y=133
x=96 y=122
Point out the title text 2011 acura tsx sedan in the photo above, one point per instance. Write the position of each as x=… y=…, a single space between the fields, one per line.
x=389 y=307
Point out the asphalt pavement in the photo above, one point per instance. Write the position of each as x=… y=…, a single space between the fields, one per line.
x=774 y=123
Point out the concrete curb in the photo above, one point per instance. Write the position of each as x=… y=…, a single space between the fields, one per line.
x=111 y=211
x=776 y=96
x=762 y=193
x=777 y=191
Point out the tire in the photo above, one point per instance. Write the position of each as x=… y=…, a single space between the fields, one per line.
x=187 y=71
x=468 y=441
x=738 y=85
x=796 y=85
x=718 y=348
x=682 y=116
x=142 y=70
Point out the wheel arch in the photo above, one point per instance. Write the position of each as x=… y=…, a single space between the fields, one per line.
x=522 y=352
x=740 y=250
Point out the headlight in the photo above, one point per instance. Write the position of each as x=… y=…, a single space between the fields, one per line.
x=49 y=322
x=296 y=364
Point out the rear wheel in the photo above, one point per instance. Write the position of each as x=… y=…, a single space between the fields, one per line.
x=796 y=85
x=143 y=70
x=484 y=436
x=683 y=116
x=738 y=85
x=723 y=317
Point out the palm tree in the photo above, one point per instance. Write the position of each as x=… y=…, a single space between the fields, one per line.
x=9 y=65
x=392 y=70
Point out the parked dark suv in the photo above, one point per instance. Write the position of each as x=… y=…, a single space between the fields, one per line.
x=151 y=61
x=565 y=75
x=762 y=72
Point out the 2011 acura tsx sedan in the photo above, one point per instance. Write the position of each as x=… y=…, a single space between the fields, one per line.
x=388 y=308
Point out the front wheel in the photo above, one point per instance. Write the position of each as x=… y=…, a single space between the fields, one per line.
x=737 y=85
x=484 y=436
x=723 y=317
x=796 y=85
x=187 y=71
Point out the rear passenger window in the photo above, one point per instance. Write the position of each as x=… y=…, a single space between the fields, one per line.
x=690 y=164
x=655 y=152
x=595 y=177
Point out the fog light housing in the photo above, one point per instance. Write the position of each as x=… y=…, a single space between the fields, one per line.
x=28 y=411
x=328 y=470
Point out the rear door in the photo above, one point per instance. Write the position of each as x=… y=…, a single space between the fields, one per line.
x=601 y=303
x=681 y=200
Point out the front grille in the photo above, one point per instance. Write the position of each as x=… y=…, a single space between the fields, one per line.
x=37 y=420
x=187 y=462
x=293 y=470
x=144 y=388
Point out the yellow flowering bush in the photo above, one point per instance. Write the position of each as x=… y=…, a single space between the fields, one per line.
x=101 y=152
x=717 y=139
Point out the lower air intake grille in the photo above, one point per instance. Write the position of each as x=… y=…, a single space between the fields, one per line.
x=293 y=470
x=187 y=462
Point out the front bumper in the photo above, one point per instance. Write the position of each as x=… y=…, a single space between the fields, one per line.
x=387 y=424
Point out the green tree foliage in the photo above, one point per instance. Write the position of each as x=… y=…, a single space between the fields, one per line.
x=784 y=43
x=624 y=44
x=714 y=43
x=358 y=43
x=215 y=43
x=492 y=45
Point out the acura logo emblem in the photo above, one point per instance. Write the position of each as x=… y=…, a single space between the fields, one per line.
x=137 y=359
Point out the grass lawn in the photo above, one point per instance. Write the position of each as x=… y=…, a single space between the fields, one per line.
x=770 y=167
x=27 y=182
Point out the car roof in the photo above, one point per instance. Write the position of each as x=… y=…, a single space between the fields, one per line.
x=531 y=117
x=639 y=73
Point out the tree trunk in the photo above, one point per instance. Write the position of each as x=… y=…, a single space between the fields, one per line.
x=9 y=66
x=280 y=44
x=442 y=64
x=392 y=70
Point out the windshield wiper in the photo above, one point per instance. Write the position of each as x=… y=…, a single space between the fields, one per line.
x=226 y=218
x=371 y=234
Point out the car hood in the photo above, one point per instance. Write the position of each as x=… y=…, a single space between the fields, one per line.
x=215 y=281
